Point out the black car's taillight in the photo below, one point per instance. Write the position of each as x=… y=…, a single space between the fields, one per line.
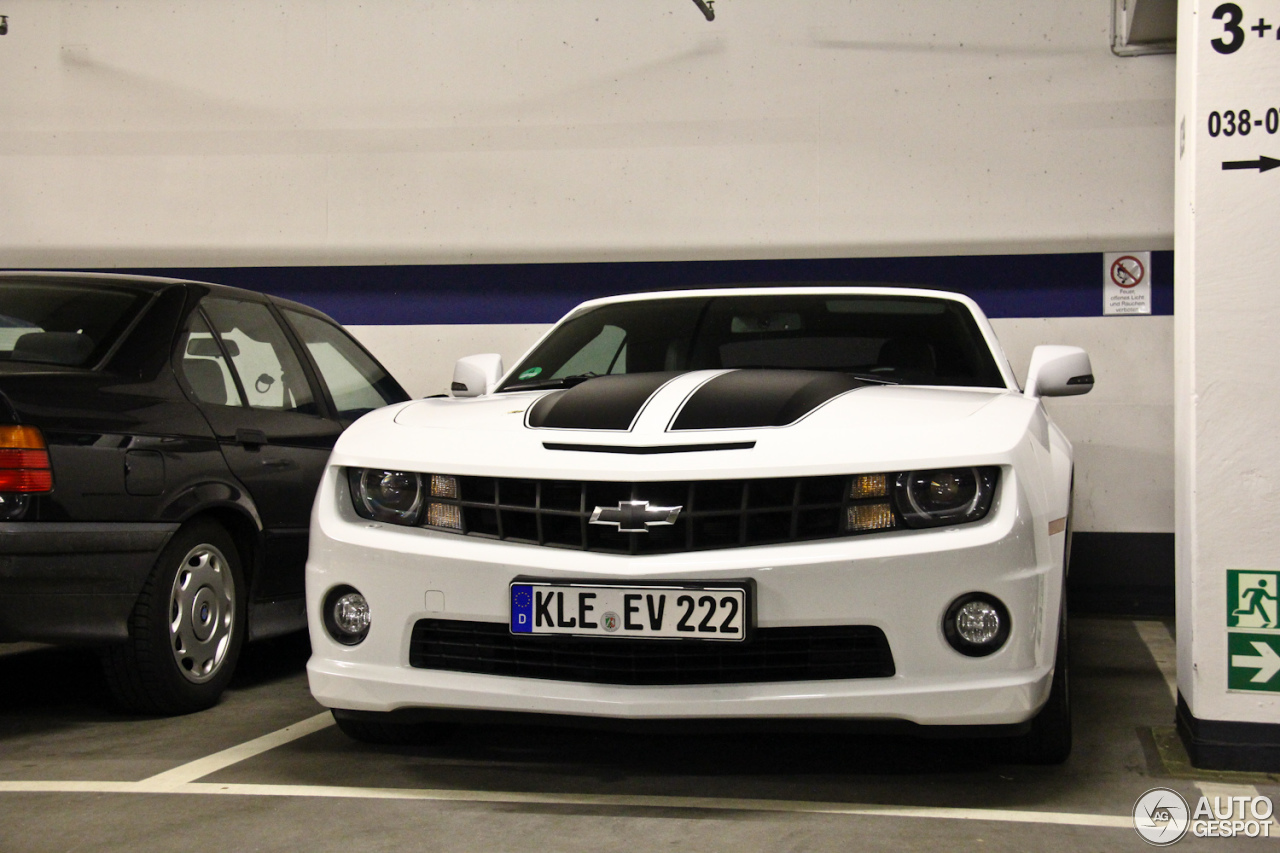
x=24 y=461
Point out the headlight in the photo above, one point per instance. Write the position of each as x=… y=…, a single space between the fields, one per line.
x=391 y=496
x=944 y=496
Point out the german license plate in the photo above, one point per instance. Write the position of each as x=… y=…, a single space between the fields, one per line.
x=697 y=611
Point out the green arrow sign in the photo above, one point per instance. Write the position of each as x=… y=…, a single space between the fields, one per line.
x=1253 y=662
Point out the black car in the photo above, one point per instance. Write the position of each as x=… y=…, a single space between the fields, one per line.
x=161 y=442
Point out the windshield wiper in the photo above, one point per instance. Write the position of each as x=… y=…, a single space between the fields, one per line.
x=557 y=382
x=877 y=378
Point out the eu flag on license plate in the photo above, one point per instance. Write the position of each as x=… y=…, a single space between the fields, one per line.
x=521 y=609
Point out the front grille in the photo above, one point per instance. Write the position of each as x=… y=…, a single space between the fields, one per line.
x=714 y=513
x=771 y=654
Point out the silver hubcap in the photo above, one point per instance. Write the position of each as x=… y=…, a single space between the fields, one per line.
x=201 y=613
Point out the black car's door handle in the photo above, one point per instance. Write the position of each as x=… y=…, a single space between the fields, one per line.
x=251 y=437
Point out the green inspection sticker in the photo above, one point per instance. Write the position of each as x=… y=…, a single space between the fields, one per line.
x=531 y=372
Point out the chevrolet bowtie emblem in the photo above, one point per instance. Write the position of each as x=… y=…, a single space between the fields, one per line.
x=635 y=516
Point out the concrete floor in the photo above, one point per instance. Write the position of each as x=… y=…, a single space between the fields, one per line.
x=266 y=771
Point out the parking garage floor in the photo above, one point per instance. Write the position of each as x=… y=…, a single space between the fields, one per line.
x=267 y=771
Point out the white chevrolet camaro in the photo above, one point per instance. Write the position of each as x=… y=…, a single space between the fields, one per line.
x=780 y=503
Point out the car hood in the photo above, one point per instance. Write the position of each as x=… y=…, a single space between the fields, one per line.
x=698 y=424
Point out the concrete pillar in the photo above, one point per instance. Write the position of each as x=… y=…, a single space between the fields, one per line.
x=1227 y=382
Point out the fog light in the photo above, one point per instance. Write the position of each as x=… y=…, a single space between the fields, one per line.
x=346 y=615
x=351 y=614
x=976 y=624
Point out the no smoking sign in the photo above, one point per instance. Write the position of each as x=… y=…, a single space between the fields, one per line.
x=1128 y=271
x=1126 y=284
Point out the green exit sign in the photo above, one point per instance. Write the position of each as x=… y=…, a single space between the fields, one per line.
x=1254 y=662
x=1253 y=630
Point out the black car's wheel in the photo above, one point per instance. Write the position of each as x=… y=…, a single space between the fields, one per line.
x=368 y=729
x=186 y=629
x=1049 y=741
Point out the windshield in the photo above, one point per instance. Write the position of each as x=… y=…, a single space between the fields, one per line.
x=895 y=339
x=63 y=323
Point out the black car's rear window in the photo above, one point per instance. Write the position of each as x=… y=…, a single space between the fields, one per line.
x=64 y=322
x=901 y=339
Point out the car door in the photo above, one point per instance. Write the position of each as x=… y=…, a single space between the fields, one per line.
x=272 y=424
x=353 y=380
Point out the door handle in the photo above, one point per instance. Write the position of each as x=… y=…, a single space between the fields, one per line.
x=251 y=437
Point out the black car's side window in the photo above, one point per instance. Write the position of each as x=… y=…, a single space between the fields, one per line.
x=204 y=367
x=355 y=381
x=269 y=371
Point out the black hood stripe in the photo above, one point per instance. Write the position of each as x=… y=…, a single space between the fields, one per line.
x=760 y=398
x=605 y=402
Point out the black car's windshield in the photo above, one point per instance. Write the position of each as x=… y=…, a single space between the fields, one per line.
x=63 y=323
x=899 y=339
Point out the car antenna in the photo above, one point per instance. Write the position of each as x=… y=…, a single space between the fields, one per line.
x=705 y=6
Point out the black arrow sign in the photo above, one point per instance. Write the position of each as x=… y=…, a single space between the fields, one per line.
x=1262 y=164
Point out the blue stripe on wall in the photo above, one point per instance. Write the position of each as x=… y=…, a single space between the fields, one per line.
x=1055 y=285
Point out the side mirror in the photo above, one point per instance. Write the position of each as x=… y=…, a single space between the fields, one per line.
x=1058 y=371
x=474 y=375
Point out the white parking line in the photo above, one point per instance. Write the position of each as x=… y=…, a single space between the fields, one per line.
x=201 y=767
x=181 y=780
x=1164 y=650
x=554 y=799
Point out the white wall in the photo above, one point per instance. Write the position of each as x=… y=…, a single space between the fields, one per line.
x=422 y=357
x=248 y=132
x=1122 y=430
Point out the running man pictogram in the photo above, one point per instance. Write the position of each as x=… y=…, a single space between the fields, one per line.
x=1254 y=598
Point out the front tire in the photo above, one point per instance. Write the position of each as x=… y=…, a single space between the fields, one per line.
x=186 y=629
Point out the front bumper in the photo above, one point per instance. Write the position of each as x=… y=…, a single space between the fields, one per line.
x=74 y=582
x=901 y=582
